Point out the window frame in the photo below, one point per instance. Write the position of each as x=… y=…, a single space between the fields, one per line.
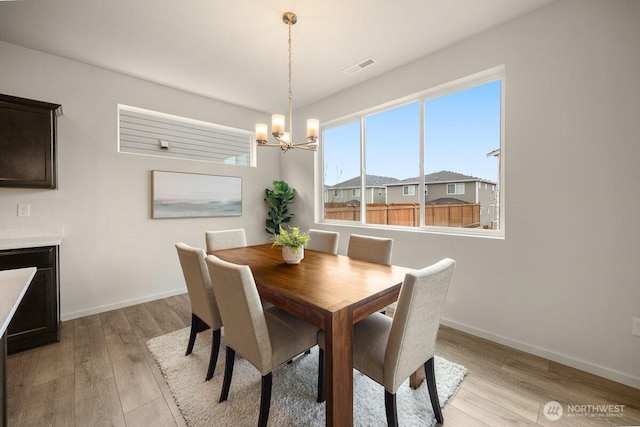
x=487 y=76
x=409 y=187
x=455 y=191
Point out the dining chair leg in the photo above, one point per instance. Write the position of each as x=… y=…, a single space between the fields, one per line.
x=391 y=408
x=228 y=373
x=265 y=400
x=215 y=349
x=433 y=392
x=321 y=385
x=197 y=325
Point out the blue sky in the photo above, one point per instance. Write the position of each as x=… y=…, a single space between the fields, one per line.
x=461 y=128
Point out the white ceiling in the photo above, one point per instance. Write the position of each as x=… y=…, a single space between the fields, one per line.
x=236 y=50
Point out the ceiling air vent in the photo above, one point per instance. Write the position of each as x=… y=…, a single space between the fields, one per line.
x=359 y=66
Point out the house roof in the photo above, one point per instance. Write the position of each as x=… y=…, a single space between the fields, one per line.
x=372 y=181
x=441 y=176
x=446 y=201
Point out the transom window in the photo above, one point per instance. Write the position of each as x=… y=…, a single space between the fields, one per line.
x=153 y=133
x=438 y=139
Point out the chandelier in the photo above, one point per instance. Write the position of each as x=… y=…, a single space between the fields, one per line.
x=278 y=121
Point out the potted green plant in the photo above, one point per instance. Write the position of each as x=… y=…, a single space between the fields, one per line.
x=278 y=199
x=292 y=243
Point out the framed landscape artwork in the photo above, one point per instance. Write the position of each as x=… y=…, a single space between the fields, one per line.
x=191 y=195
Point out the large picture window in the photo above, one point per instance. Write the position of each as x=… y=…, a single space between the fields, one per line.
x=448 y=139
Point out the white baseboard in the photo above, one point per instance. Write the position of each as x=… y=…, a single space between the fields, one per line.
x=601 y=371
x=127 y=303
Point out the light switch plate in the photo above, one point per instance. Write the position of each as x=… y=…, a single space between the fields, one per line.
x=24 y=210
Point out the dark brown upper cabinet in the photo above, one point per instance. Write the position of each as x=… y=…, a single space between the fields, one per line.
x=28 y=142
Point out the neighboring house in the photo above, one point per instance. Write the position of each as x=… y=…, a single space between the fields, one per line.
x=349 y=191
x=447 y=187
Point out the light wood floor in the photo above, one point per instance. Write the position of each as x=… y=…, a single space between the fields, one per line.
x=101 y=374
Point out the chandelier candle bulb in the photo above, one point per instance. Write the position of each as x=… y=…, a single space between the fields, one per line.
x=286 y=137
x=313 y=128
x=277 y=124
x=261 y=132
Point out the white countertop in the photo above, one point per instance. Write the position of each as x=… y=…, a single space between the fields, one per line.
x=17 y=238
x=13 y=285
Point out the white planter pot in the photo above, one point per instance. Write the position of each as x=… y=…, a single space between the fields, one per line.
x=292 y=255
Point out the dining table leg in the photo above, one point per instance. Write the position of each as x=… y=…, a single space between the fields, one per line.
x=339 y=368
x=417 y=378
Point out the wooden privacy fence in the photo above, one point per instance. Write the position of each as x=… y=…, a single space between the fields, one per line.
x=453 y=215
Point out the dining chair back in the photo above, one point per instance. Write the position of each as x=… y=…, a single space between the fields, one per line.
x=266 y=338
x=414 y=330
x=323 y=241
x=204 y=308
x=370 y=248
x=389 y=350
x=228 y=239
x=225 y=239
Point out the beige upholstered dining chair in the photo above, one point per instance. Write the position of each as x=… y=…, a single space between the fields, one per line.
x=225 y=239
x=323 y=241
x=228 y=239
x=204 y=309
x=371 y=249
x=389 y=350
x=266 y=338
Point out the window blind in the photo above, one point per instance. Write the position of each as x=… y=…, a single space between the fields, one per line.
x=158 y=134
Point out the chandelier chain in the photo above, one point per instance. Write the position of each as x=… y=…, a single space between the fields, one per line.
x=290 y=89
x=285 y=139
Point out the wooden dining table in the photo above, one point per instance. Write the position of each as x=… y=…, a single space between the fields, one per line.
x=331 y=292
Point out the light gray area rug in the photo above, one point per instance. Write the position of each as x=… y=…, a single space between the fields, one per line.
x=293 y=398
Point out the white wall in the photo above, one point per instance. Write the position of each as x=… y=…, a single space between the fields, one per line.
x=564 y=282
x=113 y=254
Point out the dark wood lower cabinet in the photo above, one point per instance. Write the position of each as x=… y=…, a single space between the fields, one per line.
x=37 y=319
